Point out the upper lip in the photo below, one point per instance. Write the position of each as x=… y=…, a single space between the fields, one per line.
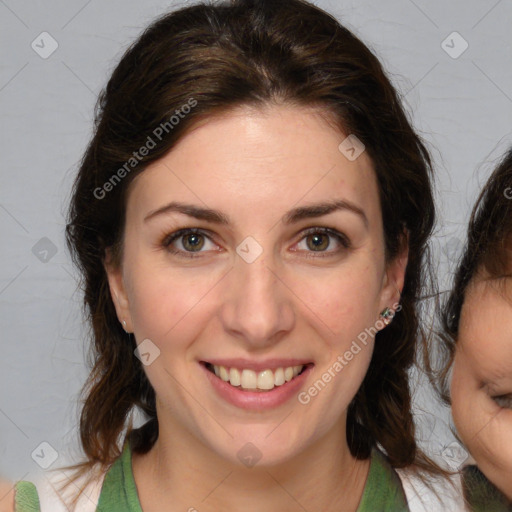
x=257 y=366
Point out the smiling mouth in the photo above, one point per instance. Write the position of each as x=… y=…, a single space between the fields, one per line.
x=249 y=380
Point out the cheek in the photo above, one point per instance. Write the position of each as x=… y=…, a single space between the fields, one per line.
x=165 y=303
x=344 y=305
x=345 y=300
x=491 y=446
x=468 y=404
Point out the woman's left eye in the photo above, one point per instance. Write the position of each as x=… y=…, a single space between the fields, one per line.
x=319 y=240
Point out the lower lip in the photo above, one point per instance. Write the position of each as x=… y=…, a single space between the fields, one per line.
x=253 y=400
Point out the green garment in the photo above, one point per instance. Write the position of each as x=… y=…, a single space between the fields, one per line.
x=482 y=495
x=383 y=490
x=26 y=498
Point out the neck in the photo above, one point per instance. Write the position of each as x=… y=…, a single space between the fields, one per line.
x=182 y=471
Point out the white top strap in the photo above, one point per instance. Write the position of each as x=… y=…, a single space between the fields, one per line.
x=52 y=500
x=444 y=495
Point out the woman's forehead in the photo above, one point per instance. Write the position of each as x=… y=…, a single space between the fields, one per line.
x=269 y=159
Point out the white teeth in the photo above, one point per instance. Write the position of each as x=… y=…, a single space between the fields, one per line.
x=279 y=377
x=248 y=380
x=264 y=380
x=224 y=375
x=234 y=377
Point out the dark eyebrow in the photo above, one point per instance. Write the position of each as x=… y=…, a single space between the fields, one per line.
x=317 y=210
x=190 y=210
x=292 y=217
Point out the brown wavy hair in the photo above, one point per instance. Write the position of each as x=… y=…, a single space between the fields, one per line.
x=487 y=255
x=224 y=55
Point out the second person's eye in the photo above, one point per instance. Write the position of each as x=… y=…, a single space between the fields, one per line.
x=504 y=401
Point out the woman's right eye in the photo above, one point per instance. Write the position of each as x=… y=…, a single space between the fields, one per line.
x=187 y=242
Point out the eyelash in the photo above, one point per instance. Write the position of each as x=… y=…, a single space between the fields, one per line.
x=341 y=238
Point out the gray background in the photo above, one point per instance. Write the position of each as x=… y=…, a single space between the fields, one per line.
x=462 y=106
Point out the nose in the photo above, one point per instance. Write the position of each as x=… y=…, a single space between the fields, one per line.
x=257 y=306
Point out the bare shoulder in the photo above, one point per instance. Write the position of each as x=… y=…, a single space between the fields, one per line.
x=6 y=496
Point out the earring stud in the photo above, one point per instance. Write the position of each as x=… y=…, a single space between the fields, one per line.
x=387 y=315
x=124 y=325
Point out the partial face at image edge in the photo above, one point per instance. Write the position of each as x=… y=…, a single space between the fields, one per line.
x=481 y=388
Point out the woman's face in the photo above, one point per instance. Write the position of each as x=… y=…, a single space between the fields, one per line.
x=481 y=386
x=285 y=268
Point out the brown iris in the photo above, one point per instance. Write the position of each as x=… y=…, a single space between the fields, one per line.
x=193 y=242
x=317 y=243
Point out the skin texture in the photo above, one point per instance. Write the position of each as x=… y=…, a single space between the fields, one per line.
x=6 y=496
x=482 y=370
x=254 y=165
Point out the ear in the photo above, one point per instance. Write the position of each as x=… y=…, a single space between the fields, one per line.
x=118 y=290
x=394 y=276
